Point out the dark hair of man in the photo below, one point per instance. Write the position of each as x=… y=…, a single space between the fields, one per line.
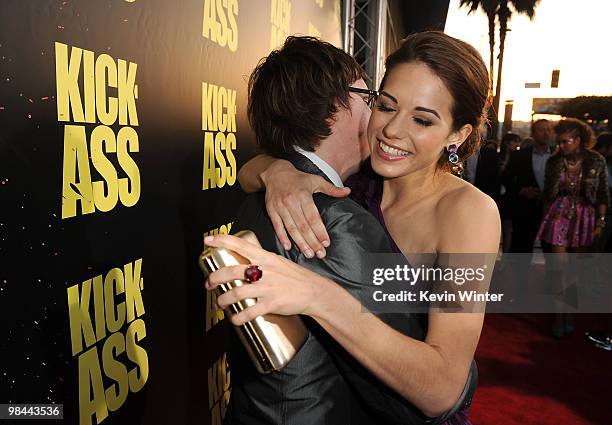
x=295 y=91
x=535 y=123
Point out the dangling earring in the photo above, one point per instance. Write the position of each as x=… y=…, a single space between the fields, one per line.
x=453 y=158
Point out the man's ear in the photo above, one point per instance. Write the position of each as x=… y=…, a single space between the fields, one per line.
x=460 y=136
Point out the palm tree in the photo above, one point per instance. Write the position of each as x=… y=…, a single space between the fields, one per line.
x=501 y=10
x=489 y=7
x=524 y=7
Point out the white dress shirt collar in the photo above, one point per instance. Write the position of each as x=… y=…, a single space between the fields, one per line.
x=322 y=165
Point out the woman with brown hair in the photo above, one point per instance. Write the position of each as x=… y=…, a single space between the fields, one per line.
x=426 y=120
x=576 y=198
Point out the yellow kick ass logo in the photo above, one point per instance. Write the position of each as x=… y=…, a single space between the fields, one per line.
x=219 y=22
x=219 y=126
x=100 y=76
x=106 y=344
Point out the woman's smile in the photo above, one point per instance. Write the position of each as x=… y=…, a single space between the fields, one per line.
x=390 y=153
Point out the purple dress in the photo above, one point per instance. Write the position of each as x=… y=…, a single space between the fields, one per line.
x=570 y=220
x=366 y=189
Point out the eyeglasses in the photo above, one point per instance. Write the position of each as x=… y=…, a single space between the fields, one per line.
x=372 y=95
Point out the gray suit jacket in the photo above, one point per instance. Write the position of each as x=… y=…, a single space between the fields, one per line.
x=322 y=384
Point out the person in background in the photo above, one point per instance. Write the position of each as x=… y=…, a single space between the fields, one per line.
x=471 y=163
x=603 y=339
x=527 y=142
x=483 y=168
x=511 y=142
x=576 y=199
x=523 y=179
x=604 y=147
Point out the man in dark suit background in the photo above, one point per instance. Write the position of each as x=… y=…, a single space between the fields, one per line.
x=523 y=179
x=483 y=169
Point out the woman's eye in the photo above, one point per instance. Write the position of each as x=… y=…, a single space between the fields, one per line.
x=423 y=122
x=383 y=108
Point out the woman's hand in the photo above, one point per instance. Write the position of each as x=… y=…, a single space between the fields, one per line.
x=597 y=231
x=284 y=288
x=291 y=208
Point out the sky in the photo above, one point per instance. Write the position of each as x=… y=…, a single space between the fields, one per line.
x=572 y=36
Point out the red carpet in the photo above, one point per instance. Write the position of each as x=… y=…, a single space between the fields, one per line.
x=528 y=377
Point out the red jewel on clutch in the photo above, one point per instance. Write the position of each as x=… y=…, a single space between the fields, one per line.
x=253 y=273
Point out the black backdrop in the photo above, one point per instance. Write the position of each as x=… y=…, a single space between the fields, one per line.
x=96 y=216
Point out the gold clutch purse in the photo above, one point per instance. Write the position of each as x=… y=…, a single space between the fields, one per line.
x=270 y=340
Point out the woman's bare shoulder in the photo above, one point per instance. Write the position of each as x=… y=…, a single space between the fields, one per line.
x=463 y=210
x=463 y=194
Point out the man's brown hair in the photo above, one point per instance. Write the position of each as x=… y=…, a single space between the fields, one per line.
x=295 y=91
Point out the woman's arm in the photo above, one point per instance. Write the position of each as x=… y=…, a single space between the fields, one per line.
x=251 y=175
x=289 y=201
x=602 y=197
x=551 y=181
x=430 y=374
x=411 y=368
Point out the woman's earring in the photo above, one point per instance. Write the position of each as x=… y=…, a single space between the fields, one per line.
x=453 y=158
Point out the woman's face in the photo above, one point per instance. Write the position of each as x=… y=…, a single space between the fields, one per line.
x=569 y=142
x=514 y=144
x=411 y=123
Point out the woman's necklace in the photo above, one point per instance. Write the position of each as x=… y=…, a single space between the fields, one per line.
x=573 y=176
x=572 y=163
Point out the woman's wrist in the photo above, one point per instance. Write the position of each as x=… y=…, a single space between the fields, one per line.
x=322 y=294
x=275 y=167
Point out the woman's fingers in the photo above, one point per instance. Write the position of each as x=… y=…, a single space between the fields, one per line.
x=284 y=288
x=331 y=190
x=303 y=225
x=315 y=222
x=259 y=309
x=240 y=293
x=293 y=213
x=279 y=227
x=225 y=274
x=294 y=231
x=254 y=253
x=320 y=185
